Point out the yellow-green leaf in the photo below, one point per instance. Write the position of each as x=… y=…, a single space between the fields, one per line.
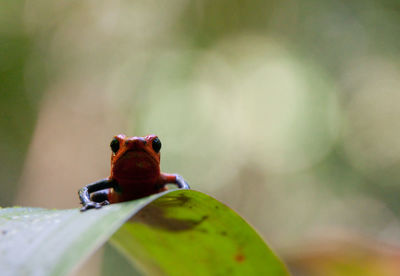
x=178 y=232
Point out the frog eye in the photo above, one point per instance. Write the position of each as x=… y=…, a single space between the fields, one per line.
x=114 y=145
x=156 y=144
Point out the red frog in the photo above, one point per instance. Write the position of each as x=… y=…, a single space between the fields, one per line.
x=135 y=173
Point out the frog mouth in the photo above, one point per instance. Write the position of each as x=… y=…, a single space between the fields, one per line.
x=137 y=164
x=136 y=154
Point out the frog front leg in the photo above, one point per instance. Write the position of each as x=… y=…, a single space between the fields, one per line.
x=84 y=193
x=180 y=182
x=174 y=178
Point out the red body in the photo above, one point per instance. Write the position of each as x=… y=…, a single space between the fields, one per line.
x=136 y=168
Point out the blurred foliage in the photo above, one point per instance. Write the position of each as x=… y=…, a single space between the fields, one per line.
x=18 y=102
x=280 y=109
x=349 y=256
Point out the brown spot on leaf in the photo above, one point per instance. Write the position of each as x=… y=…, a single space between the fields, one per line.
x=155 y=216
x=240 y=257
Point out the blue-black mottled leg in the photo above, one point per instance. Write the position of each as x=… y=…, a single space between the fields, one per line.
x=100 y=196
x=84 y=193
x=181 y=183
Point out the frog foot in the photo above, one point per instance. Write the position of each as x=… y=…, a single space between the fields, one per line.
x=94 y=205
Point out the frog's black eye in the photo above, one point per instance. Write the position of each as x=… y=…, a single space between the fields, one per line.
x=156 y=144
x=114 y=145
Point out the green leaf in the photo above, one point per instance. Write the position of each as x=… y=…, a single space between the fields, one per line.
x=178 y=232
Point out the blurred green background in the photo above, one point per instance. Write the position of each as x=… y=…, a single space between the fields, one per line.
x=286 y=111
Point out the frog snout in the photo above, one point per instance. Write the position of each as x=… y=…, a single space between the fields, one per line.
x=135 y=142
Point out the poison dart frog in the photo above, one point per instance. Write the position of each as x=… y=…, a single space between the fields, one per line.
x=135 y=173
